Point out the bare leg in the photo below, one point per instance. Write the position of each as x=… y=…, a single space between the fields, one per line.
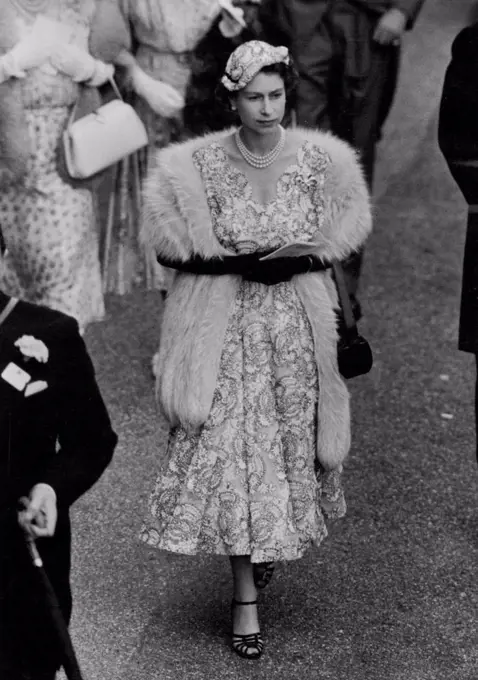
x=244 y=619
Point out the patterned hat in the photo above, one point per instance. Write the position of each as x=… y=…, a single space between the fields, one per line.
x=248 y=59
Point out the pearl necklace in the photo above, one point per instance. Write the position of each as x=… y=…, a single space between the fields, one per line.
x=260 y=161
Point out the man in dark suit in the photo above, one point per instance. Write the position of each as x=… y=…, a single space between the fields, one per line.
x=347 y=54
x=458 y=140
x=55 y=441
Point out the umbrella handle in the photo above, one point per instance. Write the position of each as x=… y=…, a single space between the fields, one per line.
x=29 y=539
x=33 y=550
x=69 y=660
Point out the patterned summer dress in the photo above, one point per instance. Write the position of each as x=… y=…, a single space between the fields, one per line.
x=248 y=483
x=167 y=31
x=48 y=226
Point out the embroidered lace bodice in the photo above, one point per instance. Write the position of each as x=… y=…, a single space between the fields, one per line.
x=243 y=224
x=248 y=483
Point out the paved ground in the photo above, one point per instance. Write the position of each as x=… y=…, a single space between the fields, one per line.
x=392 y=594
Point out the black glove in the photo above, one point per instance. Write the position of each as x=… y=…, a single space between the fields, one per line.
x=268 y=272
x=279 y=269
x=214 y=266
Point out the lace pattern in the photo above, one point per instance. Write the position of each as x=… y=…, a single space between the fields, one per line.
x=249 y=482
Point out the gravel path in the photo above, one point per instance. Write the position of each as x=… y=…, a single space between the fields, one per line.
x=392 y=594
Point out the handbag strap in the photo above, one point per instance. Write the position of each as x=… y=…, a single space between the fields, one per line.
x=8 y=309
x=72 y=117
x=349 y=318
x=350 y=323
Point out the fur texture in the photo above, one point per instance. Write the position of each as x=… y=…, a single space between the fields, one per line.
x=177 y=224
x=109 y=35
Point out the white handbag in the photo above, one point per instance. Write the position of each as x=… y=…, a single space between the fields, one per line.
x=102 y=138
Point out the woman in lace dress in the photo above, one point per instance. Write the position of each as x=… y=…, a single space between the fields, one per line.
x=248 y=377
x=47 y=222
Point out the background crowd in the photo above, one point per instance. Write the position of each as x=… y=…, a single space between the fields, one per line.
x=347 y=54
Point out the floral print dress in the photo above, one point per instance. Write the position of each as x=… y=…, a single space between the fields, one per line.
x=248 y=483
x=166 y=32
x=49 y=226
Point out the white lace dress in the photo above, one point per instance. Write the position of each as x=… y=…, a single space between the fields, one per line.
x=248 y=483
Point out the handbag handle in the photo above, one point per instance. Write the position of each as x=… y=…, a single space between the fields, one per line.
x=9 y=307
x=350 y=323
x=349 y=318
x=72 y=117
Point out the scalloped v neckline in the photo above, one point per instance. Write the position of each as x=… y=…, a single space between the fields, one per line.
x=233 y=169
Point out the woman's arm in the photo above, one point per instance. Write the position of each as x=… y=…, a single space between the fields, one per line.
x=79 y=65
x=27 y=54
x=269 y=272
x=163 y=99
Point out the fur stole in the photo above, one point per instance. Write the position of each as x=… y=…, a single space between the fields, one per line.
x=177 y=223
x=109 y=35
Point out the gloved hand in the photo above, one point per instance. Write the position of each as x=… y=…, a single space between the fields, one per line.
x=232 y=22
x=29 y=53
x=40 y=514
x=249 y=266
x=74 y=62
x=390 y=27
x=161 y=97
x=214 y=266
x=279 y=269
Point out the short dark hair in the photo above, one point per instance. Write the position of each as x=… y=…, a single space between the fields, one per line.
x=287 y=72
x=289 y=75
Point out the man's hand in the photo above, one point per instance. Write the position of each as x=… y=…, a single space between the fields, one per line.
x=40 y=514
x=391 y=27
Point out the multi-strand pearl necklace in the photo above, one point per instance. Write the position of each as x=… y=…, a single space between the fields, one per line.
x=260 y=161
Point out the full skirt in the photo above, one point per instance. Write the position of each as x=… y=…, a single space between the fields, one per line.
x=249 y=483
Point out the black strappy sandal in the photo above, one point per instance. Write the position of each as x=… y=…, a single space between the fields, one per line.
x=263 y=572
x=242 y=644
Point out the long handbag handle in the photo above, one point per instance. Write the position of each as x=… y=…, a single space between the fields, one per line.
x=8 y=309
x=350 y=323
x=344 y=298
x=72 y=117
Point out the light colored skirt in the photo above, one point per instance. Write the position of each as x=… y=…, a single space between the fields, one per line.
x=248 y=483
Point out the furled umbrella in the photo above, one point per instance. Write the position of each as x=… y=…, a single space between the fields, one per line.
x=69 y=660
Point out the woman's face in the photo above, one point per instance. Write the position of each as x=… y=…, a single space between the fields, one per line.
x=261 y=104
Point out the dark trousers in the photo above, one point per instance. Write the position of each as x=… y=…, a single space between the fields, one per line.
x=28 y=645
x=347 y=84
x=476 y=407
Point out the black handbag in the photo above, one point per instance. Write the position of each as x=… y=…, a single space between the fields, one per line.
x=354 y=353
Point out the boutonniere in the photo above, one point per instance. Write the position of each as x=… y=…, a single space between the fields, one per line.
x=31 y=348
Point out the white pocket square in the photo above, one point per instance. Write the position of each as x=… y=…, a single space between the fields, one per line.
x=16 y=376
x=35 y=387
